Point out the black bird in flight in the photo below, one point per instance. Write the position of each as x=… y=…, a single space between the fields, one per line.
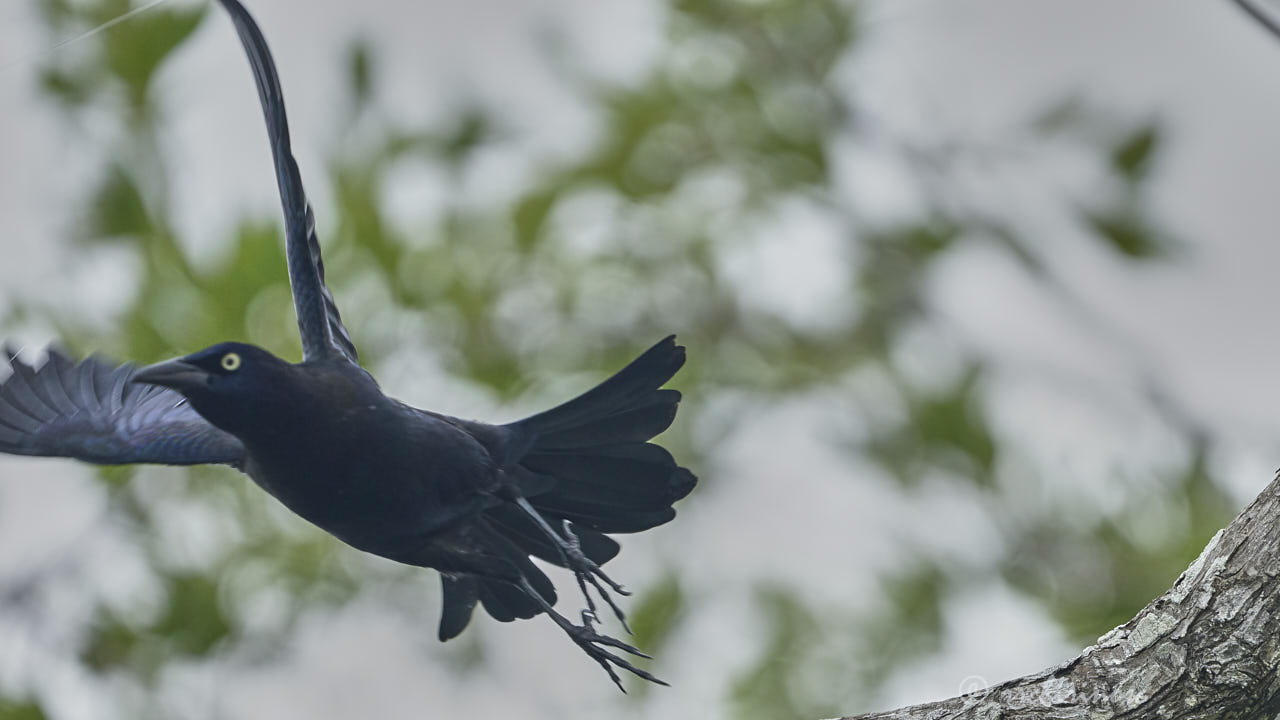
x=470 y=499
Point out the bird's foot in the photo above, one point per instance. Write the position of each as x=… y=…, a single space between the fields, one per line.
x=594 y=644
x=586 y=571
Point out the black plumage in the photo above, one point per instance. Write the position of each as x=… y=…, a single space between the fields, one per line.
x=472 y=500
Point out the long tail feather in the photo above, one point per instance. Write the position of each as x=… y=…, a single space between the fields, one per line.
x=588 y=461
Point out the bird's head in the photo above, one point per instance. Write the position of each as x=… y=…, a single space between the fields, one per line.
x=228 y=383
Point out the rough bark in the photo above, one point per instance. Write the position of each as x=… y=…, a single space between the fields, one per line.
x=1208 y=648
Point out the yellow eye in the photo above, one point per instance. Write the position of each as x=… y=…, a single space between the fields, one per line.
x=231 y=362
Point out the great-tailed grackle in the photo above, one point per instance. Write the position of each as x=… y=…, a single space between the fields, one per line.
x=469 y=499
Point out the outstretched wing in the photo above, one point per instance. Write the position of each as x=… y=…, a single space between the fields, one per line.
x=92 y=412
x=323 y=334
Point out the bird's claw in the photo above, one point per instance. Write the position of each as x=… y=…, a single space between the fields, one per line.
x=586 y=571
x=591 y=641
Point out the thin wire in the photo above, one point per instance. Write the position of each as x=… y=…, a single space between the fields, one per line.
x=82 y=36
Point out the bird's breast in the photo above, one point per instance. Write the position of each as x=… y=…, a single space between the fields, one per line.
x=377 y=479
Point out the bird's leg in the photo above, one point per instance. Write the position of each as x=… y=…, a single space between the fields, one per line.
x=591 y=642
x=585 y=569
x=594 y=578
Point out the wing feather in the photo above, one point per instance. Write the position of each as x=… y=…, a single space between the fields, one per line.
x=22 y=397
x=55 y=386
x=85 y=388
x=90 y=411
x=323 y=334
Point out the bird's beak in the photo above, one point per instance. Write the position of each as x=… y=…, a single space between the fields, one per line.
x=177 y=374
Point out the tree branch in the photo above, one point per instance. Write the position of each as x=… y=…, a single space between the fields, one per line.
x=1208 y=648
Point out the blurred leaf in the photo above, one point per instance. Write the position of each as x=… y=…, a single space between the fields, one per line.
x=193 y=622
x=955 y=420
x=1095 y=579
x=530 y=215
x=657 y=612
x=763 y=692
x=71 y=88
x=1133 y=156
x=190 y=625
x=255 y=267
x=360 y=73
x=890 y=280
x=1128 y=234
x=911 y=625
x=136 y=49
x=944 y=429
x=55 y=13
x=118 y=210
x=653 y=618
x=1065 y=115
x=471 y=130
x=109 y=645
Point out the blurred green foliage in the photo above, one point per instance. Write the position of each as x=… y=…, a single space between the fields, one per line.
x=25 y=711
x=739 y=115
x=766 y=690
x=655 y=617
x=128 y=55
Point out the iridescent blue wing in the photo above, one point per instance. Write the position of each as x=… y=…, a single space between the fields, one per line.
x=92 y=412
x=323 y=335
